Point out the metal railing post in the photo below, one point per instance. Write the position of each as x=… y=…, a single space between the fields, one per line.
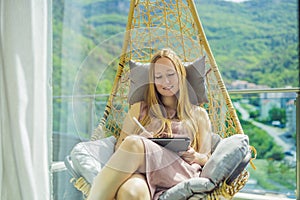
x=298 y=145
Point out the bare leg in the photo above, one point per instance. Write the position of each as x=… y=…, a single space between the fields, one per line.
x=135 y=188
x=125 y=161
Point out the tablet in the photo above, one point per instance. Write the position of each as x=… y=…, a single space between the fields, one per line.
x=174 y=144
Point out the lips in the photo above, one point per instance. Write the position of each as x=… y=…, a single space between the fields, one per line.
x=168 y=87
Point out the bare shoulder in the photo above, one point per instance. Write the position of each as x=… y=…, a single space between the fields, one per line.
x=199 y=110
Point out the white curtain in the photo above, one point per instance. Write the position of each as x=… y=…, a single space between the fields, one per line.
x=24 y=168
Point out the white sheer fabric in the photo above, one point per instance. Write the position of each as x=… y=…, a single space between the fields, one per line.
x=24 y=168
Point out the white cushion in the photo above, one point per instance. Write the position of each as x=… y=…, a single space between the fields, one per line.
x=89 y=157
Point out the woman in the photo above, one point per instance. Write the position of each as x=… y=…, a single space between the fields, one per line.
x=142 y=169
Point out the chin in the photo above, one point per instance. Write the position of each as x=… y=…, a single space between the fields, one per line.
x=168 y=94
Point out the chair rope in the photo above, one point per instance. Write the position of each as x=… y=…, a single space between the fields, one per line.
x=82 y=185
x=254 y=152
x=228 y=191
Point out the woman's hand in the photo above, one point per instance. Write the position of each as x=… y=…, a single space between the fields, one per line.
x=191 y=156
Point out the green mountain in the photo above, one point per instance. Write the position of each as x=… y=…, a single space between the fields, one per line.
x=256 y=41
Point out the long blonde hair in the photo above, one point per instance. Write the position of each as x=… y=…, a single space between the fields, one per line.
x=184 y=107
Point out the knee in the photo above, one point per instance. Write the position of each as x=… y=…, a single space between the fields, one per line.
x=133 y=143
x=136 y=190
x=132 y=193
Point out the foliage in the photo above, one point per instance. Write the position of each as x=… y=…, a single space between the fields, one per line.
x=273 y=175
x=254 y=114
x=255 y=41
x=277 y=114
x=260 y=139
x=294 y=136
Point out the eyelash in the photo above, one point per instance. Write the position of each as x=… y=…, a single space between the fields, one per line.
x=159 y=77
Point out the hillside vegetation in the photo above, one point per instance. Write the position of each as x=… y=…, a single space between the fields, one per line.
x=255 y=41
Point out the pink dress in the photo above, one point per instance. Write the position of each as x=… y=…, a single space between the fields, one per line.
x=165 y=168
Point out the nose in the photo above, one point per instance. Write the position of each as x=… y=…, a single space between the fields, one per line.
x=166 y=80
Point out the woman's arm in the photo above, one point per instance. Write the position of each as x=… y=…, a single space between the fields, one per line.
x=203 y=137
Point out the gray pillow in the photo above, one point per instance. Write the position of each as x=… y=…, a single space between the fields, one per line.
x=239 y=169
x=187 y=188
x=226 y=158
x=215 y=140
x=89 y=157
x=195 y=76
x=230 y=156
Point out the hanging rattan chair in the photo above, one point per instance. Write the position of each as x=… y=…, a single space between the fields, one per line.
x=153 y=25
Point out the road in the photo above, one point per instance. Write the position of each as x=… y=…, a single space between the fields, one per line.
x=276 y=133
x=272 y=131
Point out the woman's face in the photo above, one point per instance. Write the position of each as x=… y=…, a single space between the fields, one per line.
x=165 y=77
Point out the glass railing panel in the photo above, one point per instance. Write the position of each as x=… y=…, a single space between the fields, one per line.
x=87 y=35
x=75 y=118
x=269 y=119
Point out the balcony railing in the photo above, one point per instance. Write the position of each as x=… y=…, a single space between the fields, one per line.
x=68 y=132
x=273 y=194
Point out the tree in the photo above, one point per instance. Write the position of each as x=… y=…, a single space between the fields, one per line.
x=277 y=114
